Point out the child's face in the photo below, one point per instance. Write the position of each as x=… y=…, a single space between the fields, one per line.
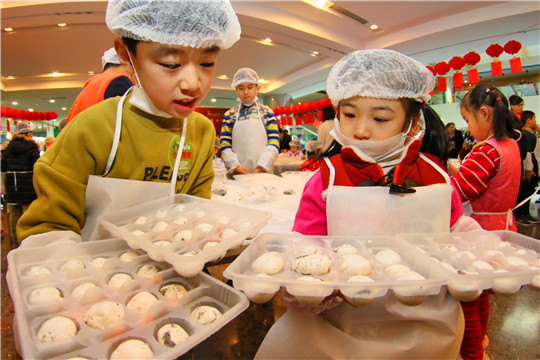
x=294 y=148
x=479 y=123
x=247 y=92
x=176 y=78
x=371 y=119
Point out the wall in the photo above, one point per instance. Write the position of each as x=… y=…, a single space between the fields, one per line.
x=451 y=113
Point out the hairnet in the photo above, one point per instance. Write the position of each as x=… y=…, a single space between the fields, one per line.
x=295 y=142
x=109 y=57
x=313 y=145
x=245 y=75
x=48 y=139
x=190 y=23
x=23 y=128
x=380 y=74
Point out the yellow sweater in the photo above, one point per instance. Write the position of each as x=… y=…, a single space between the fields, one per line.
x=146 y=152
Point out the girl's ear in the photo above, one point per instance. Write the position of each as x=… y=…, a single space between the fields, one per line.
x=484 y=113
x=414 y=122
x=122 y=52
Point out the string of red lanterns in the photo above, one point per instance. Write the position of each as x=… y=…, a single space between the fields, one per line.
x=304 y=113
x=27 y=115
x=472 y=58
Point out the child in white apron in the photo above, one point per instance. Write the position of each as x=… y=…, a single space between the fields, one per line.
x=380 y=96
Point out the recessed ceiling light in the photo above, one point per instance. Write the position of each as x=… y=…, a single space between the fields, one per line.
x=64 y=108
x=267 y=40
x=55 y=74
x=374 y=26
x=8 y=29
x=9 y=77
x=90 y=72
x=213 y=100
x=30 y=109
x=14 y=103
x=321 y=4
x=62 y=24
x=223 y=77
x=52 y=101
x=262 y=81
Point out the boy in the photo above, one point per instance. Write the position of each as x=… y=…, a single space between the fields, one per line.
x=249 y=134
x=143 y=135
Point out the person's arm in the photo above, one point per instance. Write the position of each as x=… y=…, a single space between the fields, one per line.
x=474 y=173
x=225 y=140
x=271 y=151
x=118 y=87
x=310 y=217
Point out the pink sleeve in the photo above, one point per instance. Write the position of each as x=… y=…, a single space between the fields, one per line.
x=311 y=214
x=456 y=207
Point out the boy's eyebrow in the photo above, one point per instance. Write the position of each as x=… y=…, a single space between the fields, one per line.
x=173 y=50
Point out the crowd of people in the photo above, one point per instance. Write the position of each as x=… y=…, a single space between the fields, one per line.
x=137 y=124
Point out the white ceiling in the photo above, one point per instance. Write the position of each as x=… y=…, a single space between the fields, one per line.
x=429 y=31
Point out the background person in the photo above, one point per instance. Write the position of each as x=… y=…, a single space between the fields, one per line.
x=516 y=105
x=113 y=81
x=18 y=160
x=455 y=140
x=249 y=133
x=323 y=133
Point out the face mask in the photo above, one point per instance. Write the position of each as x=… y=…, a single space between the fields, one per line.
x=140 y=100
x=378 y=150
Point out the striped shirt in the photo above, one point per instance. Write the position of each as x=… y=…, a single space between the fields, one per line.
x=476 y=171
x=268 y=120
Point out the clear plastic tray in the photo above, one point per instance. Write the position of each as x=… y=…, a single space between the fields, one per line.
x=291 y=246
x=95 y=343
x=466 y=280
x=213 y=227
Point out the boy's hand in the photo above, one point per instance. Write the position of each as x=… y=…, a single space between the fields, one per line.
x=259 y=170
x=240 y=171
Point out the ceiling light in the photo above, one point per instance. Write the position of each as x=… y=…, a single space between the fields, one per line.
x=61 y=24
x=52 y=101
x=14 y=103
x=213 y=100
x=90 y=72
x=9 y=77
x=55 y=74
x=30 y=109
x=223 y=77
x=268 y=40
x=321 y=4
x=262 y=81
x=64 y=108
x=8 y=29
x=374 y=27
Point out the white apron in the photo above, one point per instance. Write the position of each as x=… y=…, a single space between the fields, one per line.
x=385 y=329
x=249 y=139
x=107 y=194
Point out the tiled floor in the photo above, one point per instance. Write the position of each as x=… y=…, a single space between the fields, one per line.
x=513 y=327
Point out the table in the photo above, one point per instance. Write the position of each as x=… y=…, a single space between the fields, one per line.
x=283 y=164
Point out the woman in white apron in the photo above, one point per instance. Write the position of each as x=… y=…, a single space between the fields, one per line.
x=379 y=94
x=249 y=133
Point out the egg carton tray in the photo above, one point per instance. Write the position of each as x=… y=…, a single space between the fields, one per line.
x=185 y=231
x=289 y=247
x=93 y=343
x=502 y=261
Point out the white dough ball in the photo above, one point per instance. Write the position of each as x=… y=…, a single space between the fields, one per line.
x=117 y=280
x=72 y=265
x=132 y=349
x=205 y=314
x=80 y=290
x=355 y=264
x=45 y=295
x=171 y=335
x=268 y=263
x=103 y=314
x=56 y=329
x=142 y=302
x=314 y=264
x=388 y=257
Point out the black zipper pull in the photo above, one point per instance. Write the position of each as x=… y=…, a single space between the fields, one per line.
x=396 y=189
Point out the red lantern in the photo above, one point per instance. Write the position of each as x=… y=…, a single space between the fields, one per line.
x=512 y=47
x=7 y=125
x=494 y=50
x=319 y=105
x=302 y=108
x=295 y=109
x=457 y=63
x=430 y=68
x=310 y=106
x=327 y=102
x=442 y=68
x=472 y=58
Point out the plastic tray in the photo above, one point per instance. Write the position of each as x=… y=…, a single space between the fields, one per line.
x=291 y=246
x=185 y=213
x=494 y=247
x=98 y=344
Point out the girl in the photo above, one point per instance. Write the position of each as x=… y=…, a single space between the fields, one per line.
x=380 y=95
x=488 y=180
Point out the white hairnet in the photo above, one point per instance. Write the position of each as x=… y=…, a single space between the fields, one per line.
x=245 y=75
x=190 y=23
x=381 y=74
x=295 y=142
x=109 y=57
x=23 y=128
x=313 y=145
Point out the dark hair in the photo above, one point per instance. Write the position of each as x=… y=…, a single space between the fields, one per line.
x=109 y=65
x=435 y=141
x=515 y=100
x=450 y=124
x=504 y=122
x=328 y=113
x=131 y=44
x=525 y=116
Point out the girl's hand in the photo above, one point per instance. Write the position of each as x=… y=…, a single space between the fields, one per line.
x=240 y=171
x=329 y=302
